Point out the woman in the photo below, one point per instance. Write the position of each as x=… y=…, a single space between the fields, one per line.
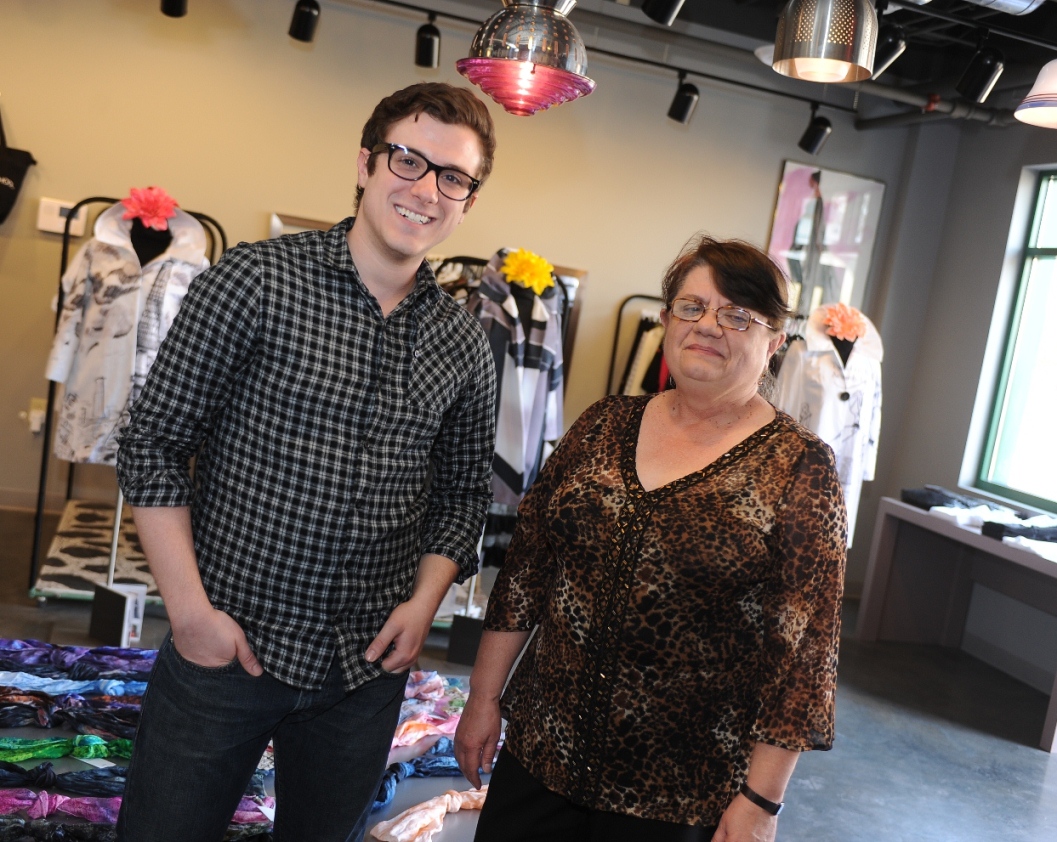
x=682 y=555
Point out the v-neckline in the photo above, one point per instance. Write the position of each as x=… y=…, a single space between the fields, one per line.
x=630 y=447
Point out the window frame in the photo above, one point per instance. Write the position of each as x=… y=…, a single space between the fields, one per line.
x=1046 y=179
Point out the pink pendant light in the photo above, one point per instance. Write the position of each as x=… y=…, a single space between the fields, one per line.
x=529 y=57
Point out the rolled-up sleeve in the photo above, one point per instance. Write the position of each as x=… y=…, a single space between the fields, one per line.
x=802 y=609
x=461 y=461
x=198 y=364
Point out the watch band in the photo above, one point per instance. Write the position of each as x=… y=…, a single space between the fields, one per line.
x=772 y=807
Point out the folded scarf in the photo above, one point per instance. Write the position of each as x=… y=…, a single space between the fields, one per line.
x=105 y=716
x=106 y=782
x=83 y=746
x=421 y=822
x=76 y=662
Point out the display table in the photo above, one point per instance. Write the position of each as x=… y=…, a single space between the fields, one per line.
x=920 y=577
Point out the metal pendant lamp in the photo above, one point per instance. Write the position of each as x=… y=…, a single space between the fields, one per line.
x=529 y=57
x=826 y=41
x=1039 y=107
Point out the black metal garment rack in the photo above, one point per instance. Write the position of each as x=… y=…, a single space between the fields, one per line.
x=218 y=244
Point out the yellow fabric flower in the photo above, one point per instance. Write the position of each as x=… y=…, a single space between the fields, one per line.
x=529 y=270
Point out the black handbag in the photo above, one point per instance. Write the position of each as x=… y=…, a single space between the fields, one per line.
x=13 y=166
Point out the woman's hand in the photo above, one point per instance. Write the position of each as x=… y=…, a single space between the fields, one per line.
x=743 y=821
x=477 y=737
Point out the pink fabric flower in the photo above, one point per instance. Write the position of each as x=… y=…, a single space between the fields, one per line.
x=152 y=205
x=843 y=322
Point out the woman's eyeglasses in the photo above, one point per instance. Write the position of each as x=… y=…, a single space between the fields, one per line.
x=728 y=316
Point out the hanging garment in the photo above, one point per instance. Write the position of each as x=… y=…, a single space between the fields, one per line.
x=528 y=361
x=114 y=317
x=647 y=344
x=841 y=403
x=646 y=324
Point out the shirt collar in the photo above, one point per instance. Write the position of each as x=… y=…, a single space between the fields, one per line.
x=335 y=253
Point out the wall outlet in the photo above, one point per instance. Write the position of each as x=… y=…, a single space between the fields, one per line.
x=52 y=214
x=38 y=407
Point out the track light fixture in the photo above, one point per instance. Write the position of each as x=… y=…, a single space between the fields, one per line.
x=983 y=71
x=684 y=102
x=427 y=44
x=303 y=23
x=891 y=44
x=816 y=134
x=663 y=11
x=174 y=8
x=826 y=41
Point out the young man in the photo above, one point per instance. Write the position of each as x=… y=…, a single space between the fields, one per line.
x=341 y=408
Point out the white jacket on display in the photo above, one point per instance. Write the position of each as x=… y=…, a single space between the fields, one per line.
x=839 y=403
x=115 y=315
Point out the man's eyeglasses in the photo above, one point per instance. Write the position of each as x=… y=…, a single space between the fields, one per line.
x=411 y=166
x=728 y=316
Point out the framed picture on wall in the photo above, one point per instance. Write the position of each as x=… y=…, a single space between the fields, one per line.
x=822 y=234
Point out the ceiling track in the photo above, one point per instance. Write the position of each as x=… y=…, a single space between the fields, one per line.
x=931 y=107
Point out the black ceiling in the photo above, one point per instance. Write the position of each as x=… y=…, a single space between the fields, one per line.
x=937 y=50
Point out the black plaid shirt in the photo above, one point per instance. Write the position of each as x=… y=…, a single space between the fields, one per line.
x=334 y=446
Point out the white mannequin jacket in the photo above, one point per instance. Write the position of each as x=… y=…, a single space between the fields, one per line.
x=115 y=315
x=840 y=403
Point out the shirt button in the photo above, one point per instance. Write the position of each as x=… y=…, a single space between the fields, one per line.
x=844 y=396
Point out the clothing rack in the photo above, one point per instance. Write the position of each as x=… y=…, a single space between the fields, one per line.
x=217 y=245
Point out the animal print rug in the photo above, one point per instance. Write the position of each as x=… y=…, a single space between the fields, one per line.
x=79 y=555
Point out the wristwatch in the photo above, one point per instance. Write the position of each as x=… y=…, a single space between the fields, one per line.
x=772 y=807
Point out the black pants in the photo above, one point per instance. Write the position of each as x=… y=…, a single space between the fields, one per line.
x=520 y=809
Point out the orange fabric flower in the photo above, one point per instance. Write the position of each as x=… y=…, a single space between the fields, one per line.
x=152 y=205
x=843 y=322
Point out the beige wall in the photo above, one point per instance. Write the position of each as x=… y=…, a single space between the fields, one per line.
x=236 y=120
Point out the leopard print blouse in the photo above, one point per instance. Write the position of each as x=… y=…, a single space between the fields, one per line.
x=676 y=627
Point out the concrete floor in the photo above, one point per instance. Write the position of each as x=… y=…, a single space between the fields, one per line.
x=932 y=744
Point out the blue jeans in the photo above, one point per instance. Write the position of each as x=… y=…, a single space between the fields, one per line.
x=202 y=731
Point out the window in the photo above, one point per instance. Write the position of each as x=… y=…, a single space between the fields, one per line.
x=1019 y=460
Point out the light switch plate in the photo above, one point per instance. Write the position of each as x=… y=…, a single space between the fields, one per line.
x=52 y=213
